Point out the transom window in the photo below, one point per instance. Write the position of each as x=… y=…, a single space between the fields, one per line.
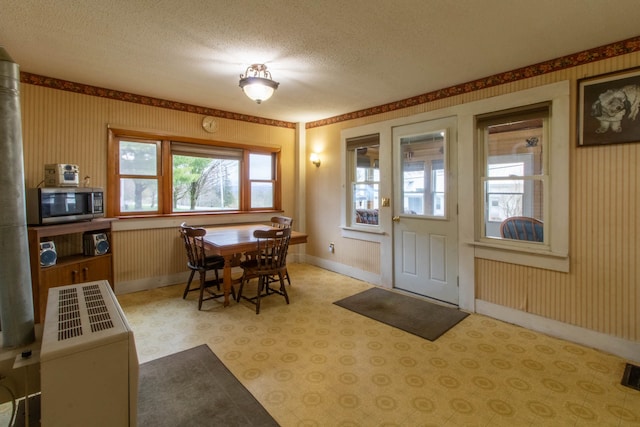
x=158 y=176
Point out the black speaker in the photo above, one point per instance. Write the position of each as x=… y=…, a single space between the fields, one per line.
x=48 y=255
x=96 y=244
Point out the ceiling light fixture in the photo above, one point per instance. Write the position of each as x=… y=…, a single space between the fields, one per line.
x=257 y=84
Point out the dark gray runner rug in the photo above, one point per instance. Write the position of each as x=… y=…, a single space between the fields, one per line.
x=194 y=388
x=413 y=315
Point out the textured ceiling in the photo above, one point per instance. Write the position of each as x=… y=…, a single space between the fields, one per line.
x=330 y=57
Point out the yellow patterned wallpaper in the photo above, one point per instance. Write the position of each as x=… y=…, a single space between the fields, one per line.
x=67 y=127
x=601 y=291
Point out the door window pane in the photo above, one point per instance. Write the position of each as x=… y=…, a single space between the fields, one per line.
x=413 y=187
x=424 y=175
x=438 y=190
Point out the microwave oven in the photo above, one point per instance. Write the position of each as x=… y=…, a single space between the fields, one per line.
x=58 y=205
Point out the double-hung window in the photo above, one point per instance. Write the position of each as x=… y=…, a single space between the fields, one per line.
x=262 y=179
x=363 y=157
x=139 y=176
x=521 y=152
x=152 y=176
x=514 y=177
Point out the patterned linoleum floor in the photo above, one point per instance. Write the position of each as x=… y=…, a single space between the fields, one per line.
x=312 y=363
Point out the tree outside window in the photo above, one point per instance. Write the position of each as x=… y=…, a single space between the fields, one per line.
x=156 y=176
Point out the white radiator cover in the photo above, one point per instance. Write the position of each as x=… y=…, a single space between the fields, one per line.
x=89 y=363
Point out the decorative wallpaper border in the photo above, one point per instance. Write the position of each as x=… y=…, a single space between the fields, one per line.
x=592 y=55
x=569 y=61
x=52 y=83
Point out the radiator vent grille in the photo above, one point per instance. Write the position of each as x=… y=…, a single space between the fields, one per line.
x=69 y=323
x=69 y=319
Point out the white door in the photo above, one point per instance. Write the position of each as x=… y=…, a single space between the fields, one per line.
x=425 y=227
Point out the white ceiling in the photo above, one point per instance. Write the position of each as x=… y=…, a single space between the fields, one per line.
x=331 y=57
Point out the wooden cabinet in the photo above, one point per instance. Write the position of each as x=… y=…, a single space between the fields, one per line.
x=71 y=266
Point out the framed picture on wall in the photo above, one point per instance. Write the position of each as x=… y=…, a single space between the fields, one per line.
x=608 y=108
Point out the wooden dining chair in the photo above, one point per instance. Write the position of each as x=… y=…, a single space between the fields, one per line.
x=270 y=261
x=198 y=261
x=522 y=228
x=282 y=222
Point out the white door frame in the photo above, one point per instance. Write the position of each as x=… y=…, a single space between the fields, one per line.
x=443 y=231
x=384 y=235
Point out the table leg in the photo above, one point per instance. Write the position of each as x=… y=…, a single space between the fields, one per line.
x=226 y=278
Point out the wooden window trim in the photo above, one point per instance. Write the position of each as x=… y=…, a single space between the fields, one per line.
x=165 y=173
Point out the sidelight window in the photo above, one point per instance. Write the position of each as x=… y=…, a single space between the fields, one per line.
x=363 y=157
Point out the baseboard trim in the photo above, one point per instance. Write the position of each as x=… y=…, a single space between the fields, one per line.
x=150 y=283
x=345 y=270
x=626 y=349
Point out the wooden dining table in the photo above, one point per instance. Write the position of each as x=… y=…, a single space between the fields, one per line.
x=231 y=241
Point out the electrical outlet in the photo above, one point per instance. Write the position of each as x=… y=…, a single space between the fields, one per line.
x=332 y=247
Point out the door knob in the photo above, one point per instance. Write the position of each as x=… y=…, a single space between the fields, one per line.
x=395 y=219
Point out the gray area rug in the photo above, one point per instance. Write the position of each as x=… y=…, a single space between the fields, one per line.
x=413 y=315
x=194 y=388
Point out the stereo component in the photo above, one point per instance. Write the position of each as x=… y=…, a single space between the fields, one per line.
x=95 y=244
x=48 y=255
x=61 y=175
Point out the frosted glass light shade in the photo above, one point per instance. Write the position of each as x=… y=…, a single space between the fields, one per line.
x=257 y=83
x=257 y=88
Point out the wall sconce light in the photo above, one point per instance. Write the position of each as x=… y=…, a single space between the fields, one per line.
x=315 y=159
x=257 y=84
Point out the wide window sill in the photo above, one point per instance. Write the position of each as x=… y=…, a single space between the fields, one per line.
x=171 y=221
x=525 y=255
x=373 y=234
